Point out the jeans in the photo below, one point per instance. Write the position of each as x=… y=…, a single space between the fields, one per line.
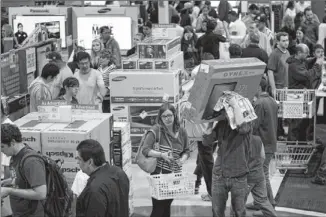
x=221 y=187
x=268 y=158
x=321 y=172
x=205 y=161
x=161 y=208
x=259 y=194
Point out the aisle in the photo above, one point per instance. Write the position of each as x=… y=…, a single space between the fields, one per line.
x=192 y=206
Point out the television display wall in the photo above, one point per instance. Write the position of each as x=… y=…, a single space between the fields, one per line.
x=55 y=24
x=88 y=28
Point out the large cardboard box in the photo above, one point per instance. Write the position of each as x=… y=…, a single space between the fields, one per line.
x=153 y=48
x=241 y=75
x=31 y=130
x=145 y=86
x=120 y=112
x=60 y=140
x=70 y=170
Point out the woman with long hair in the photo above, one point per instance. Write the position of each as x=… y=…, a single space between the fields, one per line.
x=97 y=46
x=290 y=9
x=298 y=20
x=172 y=152
x=302 y=39
x=69 y=90
x=288 y=27
x=188 y=43
x=203 y=15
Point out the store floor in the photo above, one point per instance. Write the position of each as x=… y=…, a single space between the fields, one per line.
x=194 y=206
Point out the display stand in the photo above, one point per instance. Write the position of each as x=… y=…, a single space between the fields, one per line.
x=18 y=69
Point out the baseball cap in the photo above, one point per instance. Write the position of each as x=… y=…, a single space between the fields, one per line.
x=54 y=56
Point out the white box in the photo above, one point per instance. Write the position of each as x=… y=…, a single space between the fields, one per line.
x=124 y=129
x=31 y=130
x=70 y=170
x=61 y=140
x=145 y=86
x=120 y=112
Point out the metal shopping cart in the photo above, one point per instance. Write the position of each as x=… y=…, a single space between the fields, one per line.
x=295 y=104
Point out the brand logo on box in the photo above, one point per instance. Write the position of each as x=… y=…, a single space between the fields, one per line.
x=119 y=78
x=60 y=154
x=29 y=139
x=70 y=170
x=118 y=108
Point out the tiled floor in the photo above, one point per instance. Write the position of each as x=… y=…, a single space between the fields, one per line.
x=191 y=206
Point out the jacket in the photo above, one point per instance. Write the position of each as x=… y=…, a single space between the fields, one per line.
x=233 y=152
x=300 y=76
x=265 y=125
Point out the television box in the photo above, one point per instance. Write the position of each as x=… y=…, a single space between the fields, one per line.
x=121 y=132
x=145 y=86
x=241 y=75
x=60 y=140
x=145 y=64
x=154 y=48
x=120 y=112
x=140 y=116
x=31 y=130
x=174 y=62
x=70 y=170
x=130 y=62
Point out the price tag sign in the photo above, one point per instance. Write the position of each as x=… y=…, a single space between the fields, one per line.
x=160 y=33
x=30 y=60
x=55 y=113
x=143 y=115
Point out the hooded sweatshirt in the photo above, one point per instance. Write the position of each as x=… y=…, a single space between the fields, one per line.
x=300 y=76
x=38 y=91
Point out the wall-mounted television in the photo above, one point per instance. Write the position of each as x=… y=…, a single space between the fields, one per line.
x=88 y=29
x=55 y=25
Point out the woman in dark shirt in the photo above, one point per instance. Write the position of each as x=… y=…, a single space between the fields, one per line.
x=69 y=91
x=172 y=152
x=188 y=42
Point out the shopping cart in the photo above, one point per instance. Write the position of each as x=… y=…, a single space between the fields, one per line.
x=294 y=157
x=295 y=104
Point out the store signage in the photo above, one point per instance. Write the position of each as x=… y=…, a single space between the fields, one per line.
x=39 y=10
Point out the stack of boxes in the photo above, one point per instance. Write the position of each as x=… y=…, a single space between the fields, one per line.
x=146 y=80
x=156 y=54
x=59 y=140
x=121 y=154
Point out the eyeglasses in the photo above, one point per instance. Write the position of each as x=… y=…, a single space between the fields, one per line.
x=166 y=116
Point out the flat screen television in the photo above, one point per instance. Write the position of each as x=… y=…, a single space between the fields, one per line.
x=56 y=25
x=53 y=28
x=88 y=28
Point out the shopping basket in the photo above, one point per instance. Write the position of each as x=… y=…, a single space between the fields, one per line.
x=172 y=185
x=293 y=157
x=295 y=104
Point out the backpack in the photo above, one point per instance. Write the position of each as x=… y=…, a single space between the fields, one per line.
x=59 y=196
x=147 y=164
